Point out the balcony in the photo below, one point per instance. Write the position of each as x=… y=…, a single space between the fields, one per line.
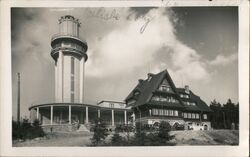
x=66 y=35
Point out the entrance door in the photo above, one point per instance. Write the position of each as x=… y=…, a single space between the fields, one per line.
x=205 y=127
x=74 y=118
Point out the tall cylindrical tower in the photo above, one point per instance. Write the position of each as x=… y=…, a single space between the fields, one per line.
x=69 y=53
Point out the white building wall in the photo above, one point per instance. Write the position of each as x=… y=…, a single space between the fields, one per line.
x=112 y=104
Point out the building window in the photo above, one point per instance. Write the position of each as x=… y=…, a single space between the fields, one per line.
x=165 y=112
x=161 y=112
x=72 y=97
x=171 y=112
x=72 y=81
x=184 y=96
x=165 y=88
x=204 y=116
x=136 y=93
x=175 y=113
x=197 y=116
x=191 y=103
x=111 y=105
x=185 y=115
x=155 y=111
x=189 y=115
x=193 y=115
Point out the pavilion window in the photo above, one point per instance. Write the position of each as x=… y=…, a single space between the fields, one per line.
x=111 y=105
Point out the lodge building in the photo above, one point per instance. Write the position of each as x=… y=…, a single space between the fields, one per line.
x=156 y=99
x=153 y=100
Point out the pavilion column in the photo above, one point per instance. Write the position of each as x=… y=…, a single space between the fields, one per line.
x=113 y=118
x=37 y=113
x=81 y=118
x=87 y=114
x=51 y=115
x=60 y=116
x=69 y=114
x=99 y=113
x=125 y=117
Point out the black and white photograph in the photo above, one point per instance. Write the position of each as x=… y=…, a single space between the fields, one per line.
x=126 y=77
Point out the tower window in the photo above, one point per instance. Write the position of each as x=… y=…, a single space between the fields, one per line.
x=72 y=85
x=72 y=65
x=72 y=97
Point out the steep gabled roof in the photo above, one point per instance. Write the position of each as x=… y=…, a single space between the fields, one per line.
x=148 y=86
x=200 y=104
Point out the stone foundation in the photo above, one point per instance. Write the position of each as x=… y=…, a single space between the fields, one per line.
x=59 y=128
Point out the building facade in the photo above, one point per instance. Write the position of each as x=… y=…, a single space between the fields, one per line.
x=157 y=99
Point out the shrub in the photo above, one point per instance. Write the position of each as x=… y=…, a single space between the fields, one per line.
x=24 y=130
x=117 y=140
x=163 y=133
x=100 y=133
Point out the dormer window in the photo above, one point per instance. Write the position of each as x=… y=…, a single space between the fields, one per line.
x=165 y=88
x=184 y=96
x=186 y=89
x=136 y=93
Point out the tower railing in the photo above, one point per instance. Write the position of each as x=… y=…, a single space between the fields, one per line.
x=59 y=35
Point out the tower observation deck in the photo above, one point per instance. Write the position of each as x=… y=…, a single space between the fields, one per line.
x=69 y=53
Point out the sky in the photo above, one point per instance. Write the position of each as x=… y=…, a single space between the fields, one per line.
x=197 y=45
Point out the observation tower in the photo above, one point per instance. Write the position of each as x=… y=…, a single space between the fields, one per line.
x=69 y=53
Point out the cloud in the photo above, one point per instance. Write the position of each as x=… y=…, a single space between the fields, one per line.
x=125 y=48
x=223 y=60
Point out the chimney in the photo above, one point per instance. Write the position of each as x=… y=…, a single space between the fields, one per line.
x=140 y=80
x=149 y=76
x=186 y=89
